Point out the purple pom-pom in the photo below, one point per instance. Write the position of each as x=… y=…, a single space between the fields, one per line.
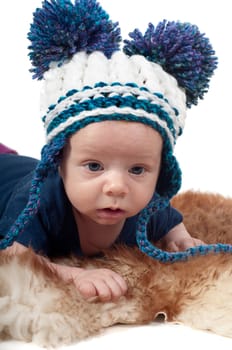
x=60 y=29
x=181 y=50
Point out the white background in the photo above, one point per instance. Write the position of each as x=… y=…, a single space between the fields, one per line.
x=203 y=150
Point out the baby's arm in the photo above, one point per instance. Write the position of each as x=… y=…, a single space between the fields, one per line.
x=178 y=239
x=103 y=283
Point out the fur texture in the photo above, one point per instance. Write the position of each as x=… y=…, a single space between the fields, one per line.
x=36 y=306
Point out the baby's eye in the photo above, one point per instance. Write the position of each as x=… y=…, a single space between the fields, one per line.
x=137 y=170
x=94 y=166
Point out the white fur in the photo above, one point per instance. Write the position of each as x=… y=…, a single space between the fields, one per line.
x=211 y=308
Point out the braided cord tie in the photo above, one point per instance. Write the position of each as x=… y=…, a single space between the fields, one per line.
x=26 y=214
x=49 y=155
x=149 y=249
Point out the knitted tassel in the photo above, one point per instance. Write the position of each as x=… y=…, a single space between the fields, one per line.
x=60 y=29
x=181 y=50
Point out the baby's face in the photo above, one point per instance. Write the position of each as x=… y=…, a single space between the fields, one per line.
x=110 y=170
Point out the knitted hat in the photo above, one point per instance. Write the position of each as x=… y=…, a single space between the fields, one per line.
x=75 y=51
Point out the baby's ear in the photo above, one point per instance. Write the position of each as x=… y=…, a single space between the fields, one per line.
x=62 y=158
x=61 y=168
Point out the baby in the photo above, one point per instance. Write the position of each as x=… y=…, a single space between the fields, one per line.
x=108 y=171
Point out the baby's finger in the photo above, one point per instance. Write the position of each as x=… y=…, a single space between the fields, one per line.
x=87 y=289
x=117 y=286
x=198 y=242
x=172 y=247
x=104 y=289
x=121 y=283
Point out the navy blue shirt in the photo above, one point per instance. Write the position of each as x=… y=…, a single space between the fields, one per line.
x=53 y=230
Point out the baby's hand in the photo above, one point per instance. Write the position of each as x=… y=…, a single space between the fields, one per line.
x=105 y=284
x=183 y=244
x=102 y=283
x=179 y=239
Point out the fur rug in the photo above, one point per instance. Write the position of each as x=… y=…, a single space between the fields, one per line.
x=36 y=306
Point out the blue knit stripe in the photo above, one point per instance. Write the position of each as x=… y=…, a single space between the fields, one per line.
x=78 y=125
x=72 y=105
x=106 y=90
x=119 y=101
x=109 y=114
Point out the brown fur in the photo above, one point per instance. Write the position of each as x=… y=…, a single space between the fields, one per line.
x=36 y=306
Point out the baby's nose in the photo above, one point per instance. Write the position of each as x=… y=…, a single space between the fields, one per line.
x=115 y=185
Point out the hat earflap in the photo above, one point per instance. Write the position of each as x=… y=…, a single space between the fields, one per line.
x=170 y=177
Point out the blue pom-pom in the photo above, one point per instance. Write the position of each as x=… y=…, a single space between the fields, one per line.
x=181 y=50
x=60 y=29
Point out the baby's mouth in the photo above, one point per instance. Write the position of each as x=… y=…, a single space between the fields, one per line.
x=111 y=212
x=114 y=210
